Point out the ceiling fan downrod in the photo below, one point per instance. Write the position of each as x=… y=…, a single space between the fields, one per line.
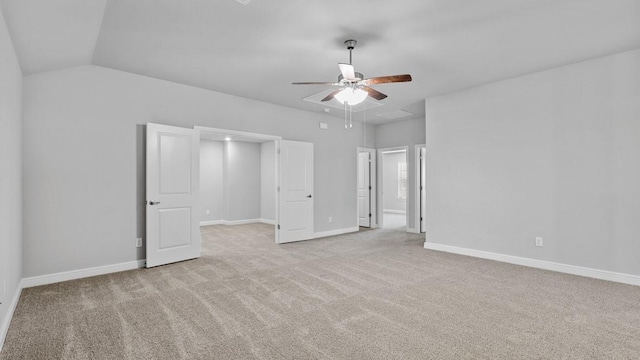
x=350 y=44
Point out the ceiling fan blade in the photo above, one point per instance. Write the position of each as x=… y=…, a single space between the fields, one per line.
x=387 y=79
x=348 y=73
x=374 y=93
x=315 y=83
x=330 y=96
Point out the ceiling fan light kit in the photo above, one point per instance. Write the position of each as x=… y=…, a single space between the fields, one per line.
x=354 y=87
x=351 y=96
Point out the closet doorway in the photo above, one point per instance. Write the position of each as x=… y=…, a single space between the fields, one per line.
x=279 y=193
x=238 y=183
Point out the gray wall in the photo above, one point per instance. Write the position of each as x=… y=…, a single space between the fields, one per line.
x=404 y=133
x=390 y=181
x=553 y=154
x=10 y=173
x=268 y=181
x=83 y=159
x=242 y=180
x=211 y=180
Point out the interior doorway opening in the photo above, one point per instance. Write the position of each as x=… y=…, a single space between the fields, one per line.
x=238 y=178
x=174 y=207
x=394 y=188
x=421 y=188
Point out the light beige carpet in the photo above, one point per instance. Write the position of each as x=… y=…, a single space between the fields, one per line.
x=370 y=295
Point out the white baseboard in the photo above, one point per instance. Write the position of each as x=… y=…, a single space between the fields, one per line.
x=413 y=230
x=540 y=264
x=211 y=222
x=240 y=222
x=79 y=274
x=335 y=232
x=237 y=222
x=4 y=327
x=391 y=211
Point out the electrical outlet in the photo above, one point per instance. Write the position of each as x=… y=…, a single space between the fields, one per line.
x=539 y=241
x=330 y=219
x=138 y=242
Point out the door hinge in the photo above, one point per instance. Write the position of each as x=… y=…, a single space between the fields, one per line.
x=369 y=187
x=369 y=215
x=278 y=226
x=421 y=218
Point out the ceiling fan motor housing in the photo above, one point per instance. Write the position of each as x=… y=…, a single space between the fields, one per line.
x=350 y=44
x=359 y=76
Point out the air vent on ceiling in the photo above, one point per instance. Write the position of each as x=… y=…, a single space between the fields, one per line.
x=392 y=115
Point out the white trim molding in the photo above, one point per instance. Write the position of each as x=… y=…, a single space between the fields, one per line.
x=81 y=273
x=237 y=222
x=322 y=234
x=211 y=222
x=240 y=222
x=539 y=264
x=4 y=327
x=412 y=230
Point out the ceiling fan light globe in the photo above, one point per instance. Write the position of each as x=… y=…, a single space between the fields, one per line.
x=351 y=96
x=359 y=96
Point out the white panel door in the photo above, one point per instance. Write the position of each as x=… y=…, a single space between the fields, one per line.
x=172 y=194
x=364 y=189
x=296 y=191
x=423 y=189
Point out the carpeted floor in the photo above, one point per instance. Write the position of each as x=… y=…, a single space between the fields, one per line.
x=394 y=221
x=375 y=294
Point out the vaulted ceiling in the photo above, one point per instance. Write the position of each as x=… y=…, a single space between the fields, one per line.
x=256 y=50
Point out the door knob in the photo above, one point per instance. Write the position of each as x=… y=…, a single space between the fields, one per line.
x=154 y=202
x=309 y=195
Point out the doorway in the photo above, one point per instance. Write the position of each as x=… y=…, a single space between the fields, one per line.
x=421 y=187
x=284 y=182
x=237 y=180
x=393 y=188
x=173 y=188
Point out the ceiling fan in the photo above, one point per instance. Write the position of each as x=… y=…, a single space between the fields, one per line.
x=354 y=88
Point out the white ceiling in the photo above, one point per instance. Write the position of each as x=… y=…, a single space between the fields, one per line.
x=257 y=50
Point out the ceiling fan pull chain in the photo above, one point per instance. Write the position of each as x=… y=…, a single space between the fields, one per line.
x=345 y=115
x=350 y=117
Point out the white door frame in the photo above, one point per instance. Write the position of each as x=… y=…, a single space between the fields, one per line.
x=418 y=183
x=372 y=183
x=240 y=135
x=380 y=210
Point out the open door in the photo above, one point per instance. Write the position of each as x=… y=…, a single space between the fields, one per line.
x=364 y=189
x=295 y=195
x=423 y=189
x=172 y=194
